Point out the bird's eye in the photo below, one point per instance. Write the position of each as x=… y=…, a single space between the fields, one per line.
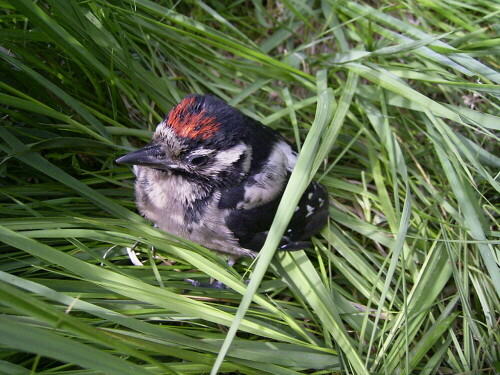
x=197 y=160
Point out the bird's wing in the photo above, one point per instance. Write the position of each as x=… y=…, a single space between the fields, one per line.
x=253 y=204
x=251 y=226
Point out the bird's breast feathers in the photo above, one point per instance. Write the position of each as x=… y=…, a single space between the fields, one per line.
x=177 y=205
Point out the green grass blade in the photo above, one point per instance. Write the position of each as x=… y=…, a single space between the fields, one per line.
x=25 y=337
x=20 y=151
x=466 y=201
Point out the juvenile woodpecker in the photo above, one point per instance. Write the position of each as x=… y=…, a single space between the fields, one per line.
x=216 y=176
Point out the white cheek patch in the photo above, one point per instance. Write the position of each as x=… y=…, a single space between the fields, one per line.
x=225 y=158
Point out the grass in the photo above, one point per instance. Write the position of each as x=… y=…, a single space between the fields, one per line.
x=395 y=107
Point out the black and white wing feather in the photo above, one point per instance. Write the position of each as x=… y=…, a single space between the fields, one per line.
x=253 y=205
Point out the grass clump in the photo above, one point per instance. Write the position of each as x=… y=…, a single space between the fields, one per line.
x=400 y=103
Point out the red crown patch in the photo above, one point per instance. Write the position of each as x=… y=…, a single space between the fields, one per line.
x=192 y=125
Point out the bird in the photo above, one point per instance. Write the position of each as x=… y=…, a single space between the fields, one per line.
x=215 y=176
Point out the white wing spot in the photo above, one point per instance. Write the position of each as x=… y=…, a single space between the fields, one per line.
x=297 y=208
x=309 y=196
x=310 y=210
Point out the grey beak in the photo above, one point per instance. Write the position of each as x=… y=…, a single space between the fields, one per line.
x=151 y=155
